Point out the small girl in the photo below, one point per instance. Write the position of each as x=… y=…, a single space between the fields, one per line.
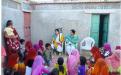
x=29 y=67
x=82 y=67
x=61 y=67
x=19 y=67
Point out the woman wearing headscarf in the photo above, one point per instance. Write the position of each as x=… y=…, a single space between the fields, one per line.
x=31 y=52
x=41 y=45
x=96 y=53
x=11 y=38
x=114 y=61
x=36 y=47
x=38 y=66
x=100 y=68
x=72 y=62
x=107 y=50
x=28 y=45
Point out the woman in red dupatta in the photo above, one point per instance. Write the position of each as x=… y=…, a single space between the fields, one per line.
x=31 y=52
x=96 y=53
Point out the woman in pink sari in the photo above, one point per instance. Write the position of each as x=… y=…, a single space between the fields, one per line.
x=3 y=53
x=38 y=66
x=114 y=60
x=72 y=62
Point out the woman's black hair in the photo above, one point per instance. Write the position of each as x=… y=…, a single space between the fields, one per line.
x=82 y=60
x=73 y=31
x=55 y=71
x=57 y=30
x=9 y=22
x=22 y=41
x=21 y=59
x=30 y=63
x=60 y=63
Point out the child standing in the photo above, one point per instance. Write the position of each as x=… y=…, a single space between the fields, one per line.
x=61 y=67
x=82 y=67
x=29 y=67
x=47 y=54
x=22 y=48
x=19 y=67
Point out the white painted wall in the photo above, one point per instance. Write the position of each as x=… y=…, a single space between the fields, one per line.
x=114 y=29
x=45 y=22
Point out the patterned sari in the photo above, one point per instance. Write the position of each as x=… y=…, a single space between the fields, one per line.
x=12 y=44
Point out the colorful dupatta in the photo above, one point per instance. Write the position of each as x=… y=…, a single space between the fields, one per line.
x=114 y=60
x=38 y=66
x=96 y=53
x=72 y=62
x=100 y=68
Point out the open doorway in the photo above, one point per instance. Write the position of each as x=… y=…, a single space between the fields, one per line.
x=99 y=28
x=103 y=29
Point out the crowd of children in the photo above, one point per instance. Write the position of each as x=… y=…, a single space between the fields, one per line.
x=36 y=60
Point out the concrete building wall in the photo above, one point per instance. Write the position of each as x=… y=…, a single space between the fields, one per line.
x=47 y=17
x=114 y=35
x=47 y=21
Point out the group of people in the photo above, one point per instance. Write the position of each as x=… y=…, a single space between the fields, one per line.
x=67 y=43
x=25 y=58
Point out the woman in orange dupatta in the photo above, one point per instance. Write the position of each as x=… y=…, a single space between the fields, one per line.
x=100 y=68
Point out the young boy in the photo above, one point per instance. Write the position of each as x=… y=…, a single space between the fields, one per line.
x=22 y=48
x=47 y=54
